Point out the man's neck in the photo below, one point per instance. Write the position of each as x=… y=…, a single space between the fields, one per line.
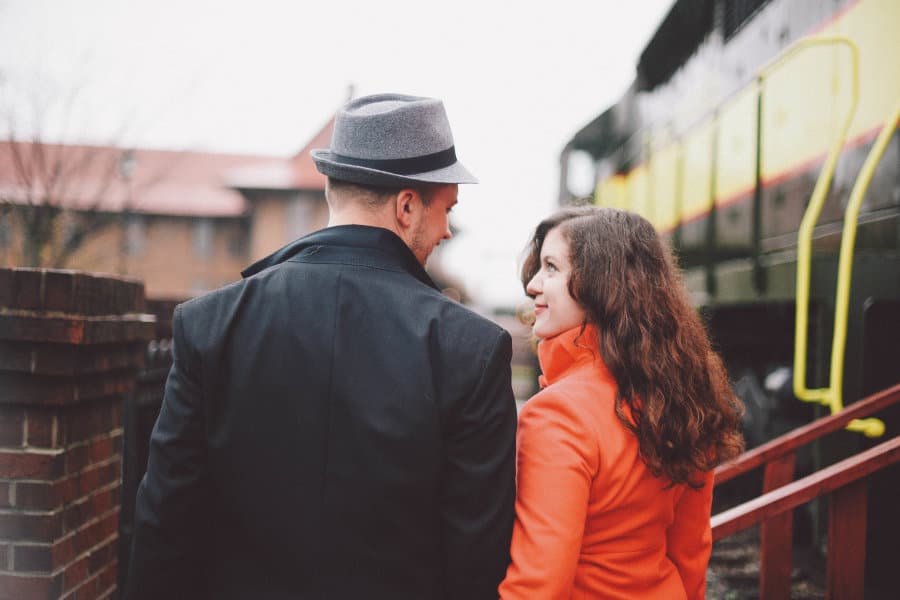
x=361 y=217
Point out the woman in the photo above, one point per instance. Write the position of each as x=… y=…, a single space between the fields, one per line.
x=615 y=454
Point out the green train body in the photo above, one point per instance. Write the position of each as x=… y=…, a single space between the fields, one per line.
x=720 y=142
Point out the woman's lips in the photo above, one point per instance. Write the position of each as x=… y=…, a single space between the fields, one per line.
x=539 y=308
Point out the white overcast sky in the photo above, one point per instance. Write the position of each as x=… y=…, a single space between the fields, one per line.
x=262 y=76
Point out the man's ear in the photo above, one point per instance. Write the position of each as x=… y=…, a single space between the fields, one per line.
x=408 y=202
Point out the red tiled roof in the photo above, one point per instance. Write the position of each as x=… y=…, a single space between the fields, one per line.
x=296 y=173
x=305 y=173
x=162 y=181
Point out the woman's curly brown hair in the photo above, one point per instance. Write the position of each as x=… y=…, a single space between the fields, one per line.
x=683 y=411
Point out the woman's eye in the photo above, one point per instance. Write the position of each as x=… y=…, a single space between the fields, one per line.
x=551 y=267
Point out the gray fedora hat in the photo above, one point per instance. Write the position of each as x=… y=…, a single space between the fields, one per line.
x=390 y=140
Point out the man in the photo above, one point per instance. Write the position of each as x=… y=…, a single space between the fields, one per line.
x=333 y=426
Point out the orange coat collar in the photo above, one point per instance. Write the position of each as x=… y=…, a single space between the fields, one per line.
x=567 y=351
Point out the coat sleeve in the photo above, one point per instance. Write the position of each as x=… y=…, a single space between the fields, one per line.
x=166 y=555
x=478 y=485
x=689 y=539
x=558 y=458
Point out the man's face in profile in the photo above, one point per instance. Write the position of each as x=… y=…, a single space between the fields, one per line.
x=433 y=224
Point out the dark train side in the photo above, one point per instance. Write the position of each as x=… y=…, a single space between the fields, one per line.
x=760 y=136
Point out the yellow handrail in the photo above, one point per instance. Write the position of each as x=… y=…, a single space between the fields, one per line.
x=869 y=427
x=811 y=216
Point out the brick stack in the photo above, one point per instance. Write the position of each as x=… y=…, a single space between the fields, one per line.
x=70 y=346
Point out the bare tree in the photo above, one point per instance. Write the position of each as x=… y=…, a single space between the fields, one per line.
x=55 y=195
x=53 y=222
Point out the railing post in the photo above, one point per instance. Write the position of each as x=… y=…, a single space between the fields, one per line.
x=777 y=535
x=847 y=541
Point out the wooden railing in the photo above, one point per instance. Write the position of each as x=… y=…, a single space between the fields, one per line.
x=846 y=481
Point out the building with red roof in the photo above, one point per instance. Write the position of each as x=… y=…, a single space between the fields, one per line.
x=184 y=222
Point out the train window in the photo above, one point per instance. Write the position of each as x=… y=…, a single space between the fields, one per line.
x=580 y=174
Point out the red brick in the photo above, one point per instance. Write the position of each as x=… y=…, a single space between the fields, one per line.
x=75 y=574
x=75 y=516
x=16 y=356
x=59 y=291
x=116 y=415
x=87 y=590
x=97 y=476
x=102 y=449
x=104 y=555
x=107 y=295
x=63 y=551
x=42 y=426
x=109 y=525
x=107 y=579
x=46 y=495
x=30 y=586
x=5 y=498
x=87 y=509
x=33 y=557
x=77 y=458
x=68 y=489
x=25 y=464
x=26 y=289
x=68 y=360
x=91 y=295
x=36 y=495
x=94 y=533
x=7 y=282
x=31 y=527
x=36 y=327
x=90 y=420
x=103 y=500
x=12 y=426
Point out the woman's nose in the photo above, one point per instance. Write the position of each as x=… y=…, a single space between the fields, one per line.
x=534 y=286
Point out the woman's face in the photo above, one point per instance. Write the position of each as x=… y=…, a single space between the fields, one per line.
x=555 y=310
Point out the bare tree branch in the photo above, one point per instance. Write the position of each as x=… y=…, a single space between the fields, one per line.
x=59 y=191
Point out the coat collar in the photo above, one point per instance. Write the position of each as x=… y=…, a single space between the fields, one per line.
x=567 y=351
x=360 y=237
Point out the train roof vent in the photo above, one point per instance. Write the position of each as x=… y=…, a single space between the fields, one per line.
x=686 y=26
x=736 y=13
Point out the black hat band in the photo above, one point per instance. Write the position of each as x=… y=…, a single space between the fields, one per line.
x=404 y=166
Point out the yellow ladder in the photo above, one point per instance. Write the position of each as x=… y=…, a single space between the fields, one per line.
x=832 y=396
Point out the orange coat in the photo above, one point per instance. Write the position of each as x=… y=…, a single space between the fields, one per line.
x=591 y=520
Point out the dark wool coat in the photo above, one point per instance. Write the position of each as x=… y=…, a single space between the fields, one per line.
x=333 y=427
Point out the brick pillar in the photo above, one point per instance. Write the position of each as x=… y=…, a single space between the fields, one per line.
x=70 y=346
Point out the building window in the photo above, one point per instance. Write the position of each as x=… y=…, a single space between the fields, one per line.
x=203 y=234
x=238 y=239
x=6 y=231
x=135 y=235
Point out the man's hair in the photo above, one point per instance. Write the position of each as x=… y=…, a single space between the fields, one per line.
x=372 y=196
x=673 y=391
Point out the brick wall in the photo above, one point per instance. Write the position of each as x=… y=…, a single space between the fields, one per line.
x=70 y=346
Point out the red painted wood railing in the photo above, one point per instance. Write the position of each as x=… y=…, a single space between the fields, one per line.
x=773 y=509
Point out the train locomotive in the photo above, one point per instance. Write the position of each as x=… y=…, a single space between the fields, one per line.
x=760 y=136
